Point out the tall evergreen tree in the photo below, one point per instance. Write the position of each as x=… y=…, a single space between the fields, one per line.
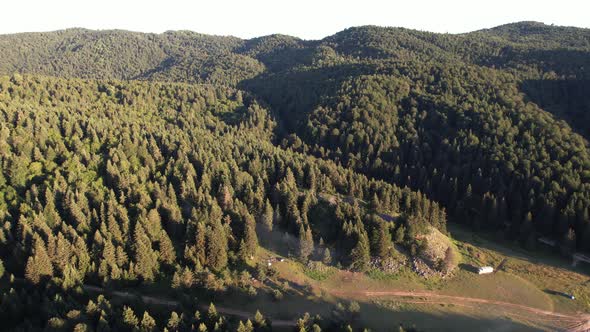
x=249 y=242
x=360 y=254
x=305 y=243
x=216 y=246
x=38 y=265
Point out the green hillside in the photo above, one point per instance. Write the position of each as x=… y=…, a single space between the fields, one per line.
x=167 y=163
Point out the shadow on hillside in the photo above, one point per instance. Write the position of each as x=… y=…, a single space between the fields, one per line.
x=282 y=58
x=386 y=316
x=567 y=100
x=512 y=250
x=557 y=293
x=563 y=62
x=294 y=94
x=440 y=318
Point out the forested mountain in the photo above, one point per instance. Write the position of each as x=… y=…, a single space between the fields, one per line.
x=114 y=183
x=465 y=119
x=132 y=158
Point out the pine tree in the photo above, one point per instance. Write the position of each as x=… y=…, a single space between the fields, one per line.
x=289 y=179
x=129 y=319
x=148 y=324
x=259 y=321
x=212 y=313
x=382 y=244
x=153 y=224
x=173 y=322
x=71 y=278
x=167 y=252
x=146 y=259
x=267 y=217
x=201 y=243
x=38 y=265
x=305 y=243
x=187 y=278
x=50 y=213
x=311 y=179
x=224 y=197
x=249 y=242
x=360 y=254
x=249 y=326
x=62 y=253
x=375 y=205
x=216 y=246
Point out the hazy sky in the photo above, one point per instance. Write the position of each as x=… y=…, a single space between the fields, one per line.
x=309 y=19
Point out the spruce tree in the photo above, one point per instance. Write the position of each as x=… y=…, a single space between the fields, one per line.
x=259 y=322
x=249 y=242
x=148 y=324
x=39 y=265
x=375 y=205
x=129 y=319
x=146 y=259
x=167 y=252
x=173 y=322
x=382 y=244
x=201 y=243
x=216 y=246
x=360 y=254
x=267 y=217
x=305 y=243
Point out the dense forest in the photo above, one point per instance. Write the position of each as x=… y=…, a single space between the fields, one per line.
x=118 y=184
x=133 y=159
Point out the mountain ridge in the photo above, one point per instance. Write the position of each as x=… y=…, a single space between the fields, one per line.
x=446 y=92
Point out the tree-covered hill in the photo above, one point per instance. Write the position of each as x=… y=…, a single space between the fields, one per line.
x=172 y=56
x=165 y=161
x=472 y=120
x=124 y=183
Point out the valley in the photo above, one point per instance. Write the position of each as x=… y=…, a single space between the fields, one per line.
x=185 y=182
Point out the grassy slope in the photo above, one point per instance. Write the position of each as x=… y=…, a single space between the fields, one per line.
x=526 y=279
x=546 y=271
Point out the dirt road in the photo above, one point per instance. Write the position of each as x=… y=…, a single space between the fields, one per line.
x=172 y=303
x=568 y=322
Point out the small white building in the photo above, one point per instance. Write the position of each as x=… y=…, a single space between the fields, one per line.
x=485 y=270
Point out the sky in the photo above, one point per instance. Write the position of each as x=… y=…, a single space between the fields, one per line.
x=307 y=19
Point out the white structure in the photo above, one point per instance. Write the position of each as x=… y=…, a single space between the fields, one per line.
x=485 y=270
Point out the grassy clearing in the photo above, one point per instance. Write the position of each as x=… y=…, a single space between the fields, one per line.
x=544 y=271
x=525 y=279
